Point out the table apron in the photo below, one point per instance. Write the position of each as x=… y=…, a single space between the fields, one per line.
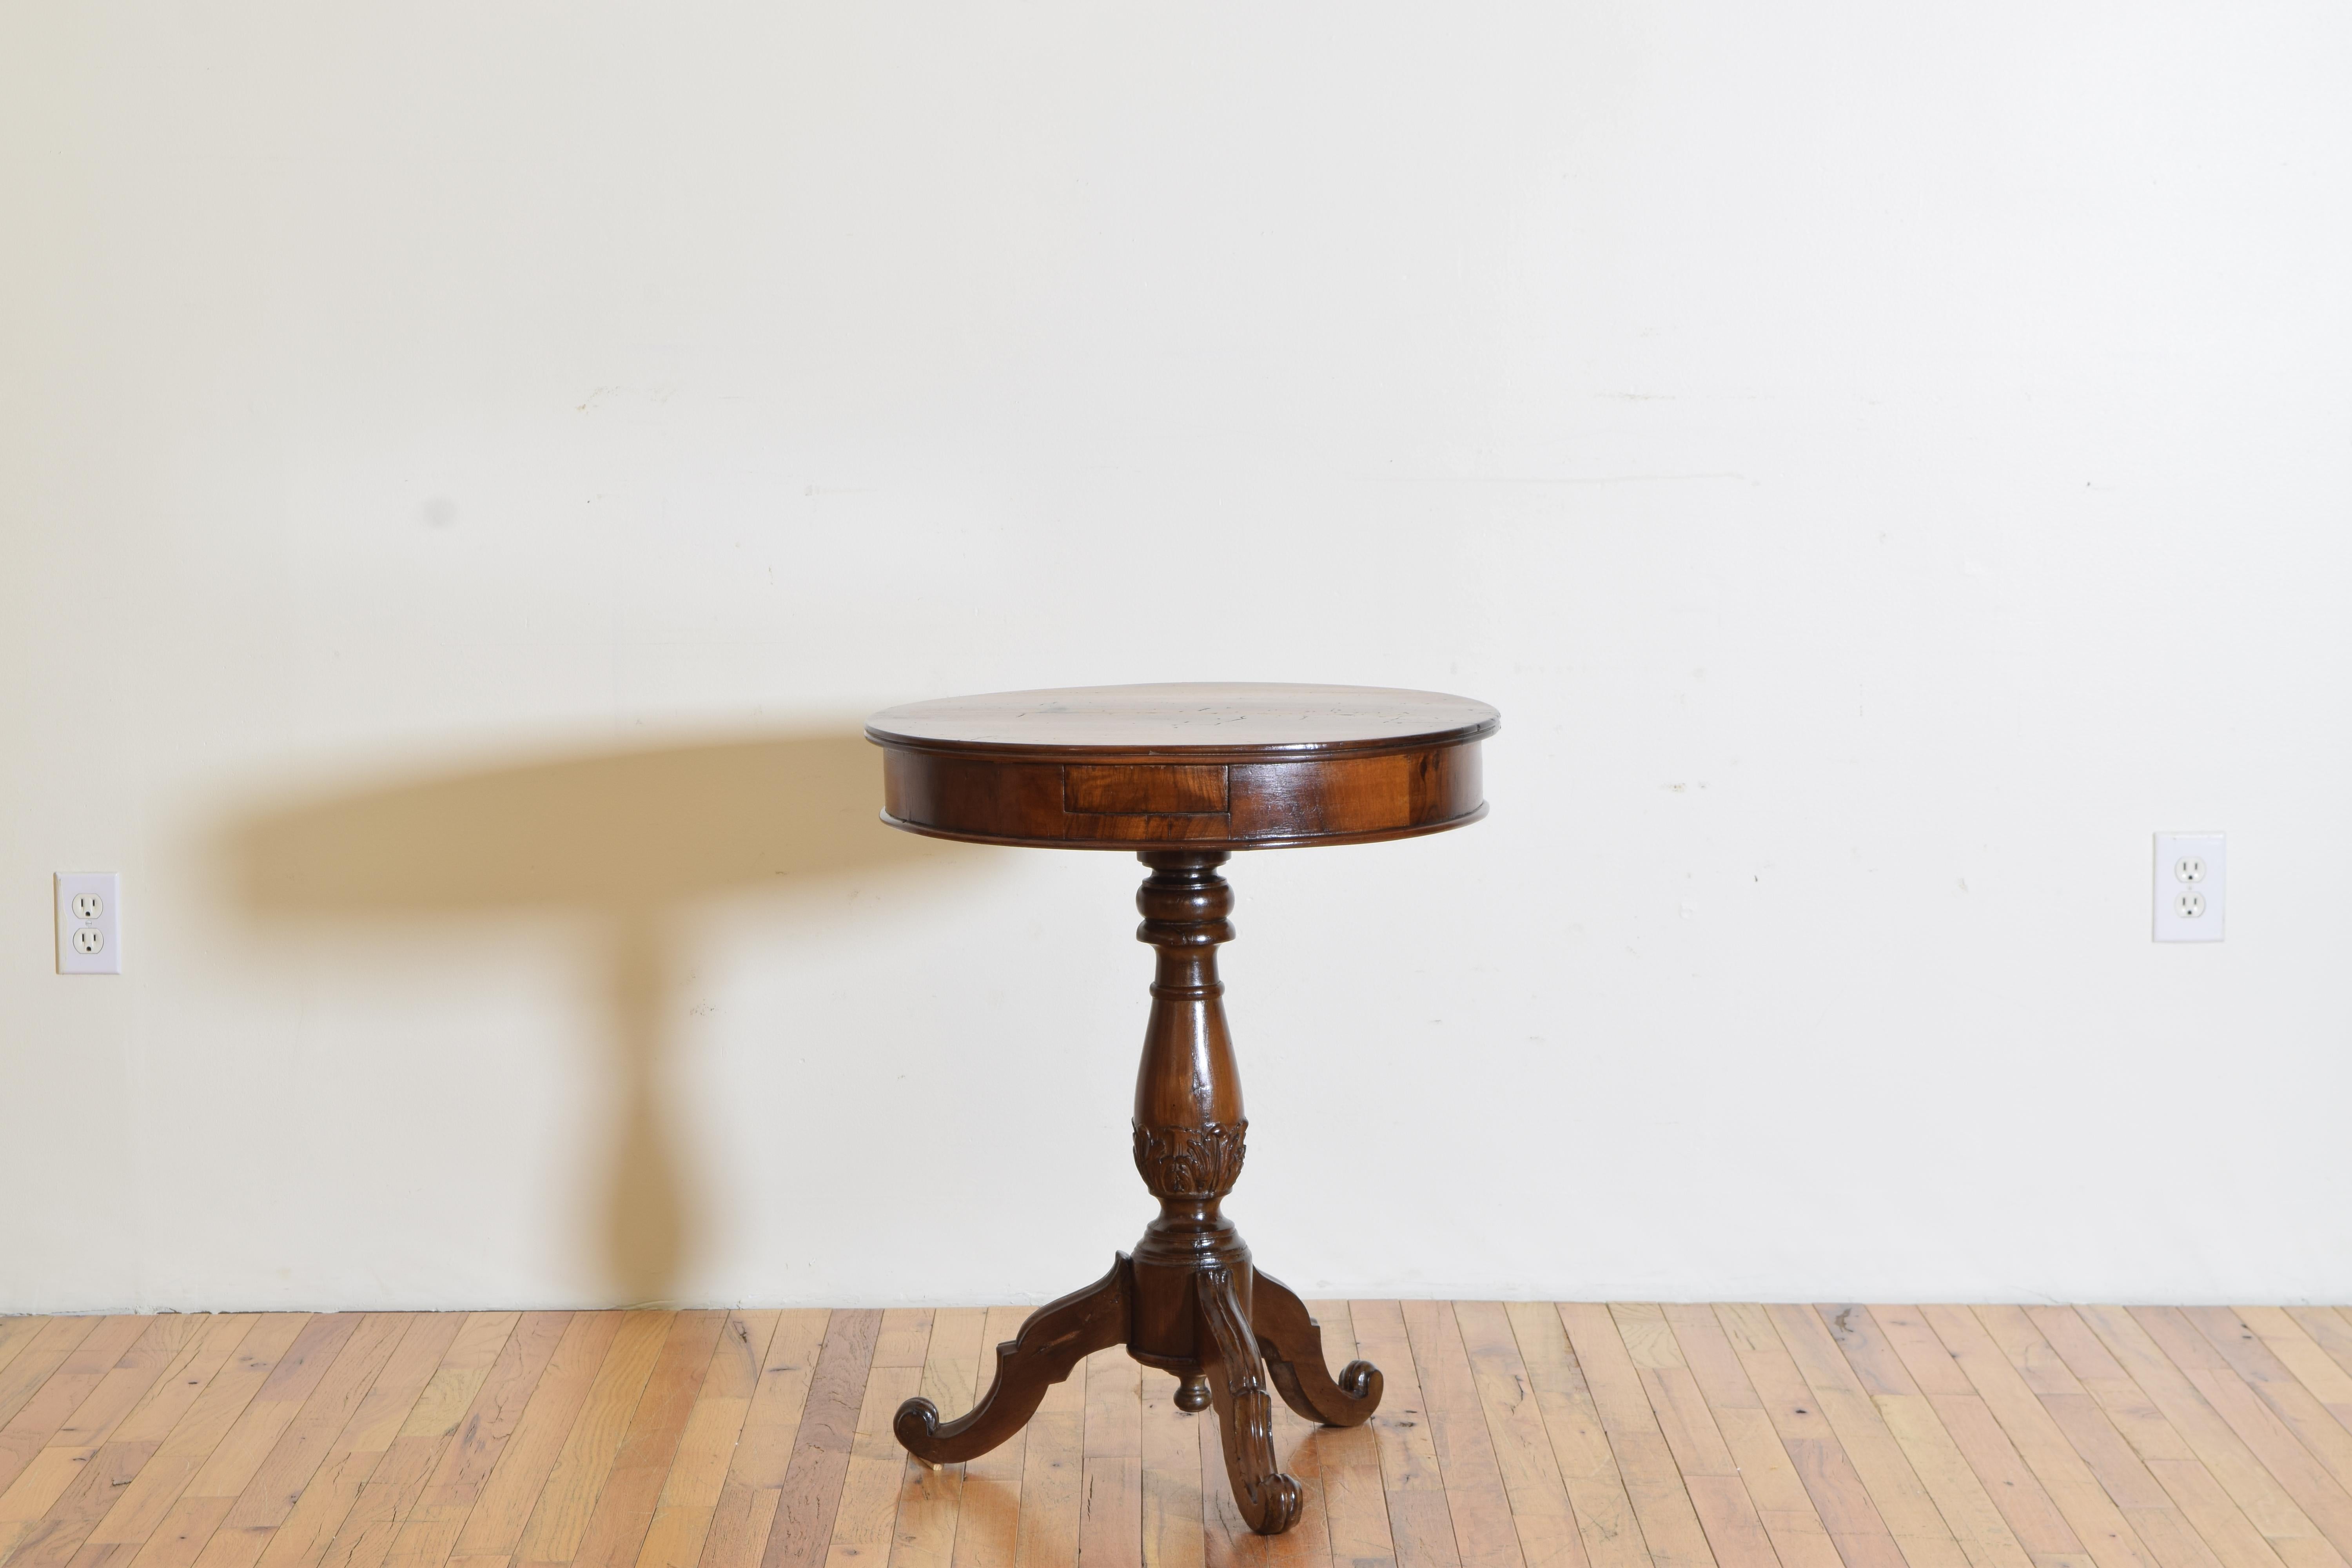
x=1234 y=804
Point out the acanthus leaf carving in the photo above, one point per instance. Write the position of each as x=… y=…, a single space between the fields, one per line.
x=1197 y=1162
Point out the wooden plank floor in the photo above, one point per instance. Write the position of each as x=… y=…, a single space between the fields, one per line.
x=1525 y=1434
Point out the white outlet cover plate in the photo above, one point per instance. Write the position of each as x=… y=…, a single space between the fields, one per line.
x=2190 y=868
x=79 y=954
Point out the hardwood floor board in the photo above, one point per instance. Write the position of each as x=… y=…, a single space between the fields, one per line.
x=1525 y=1465
x=1520 y=1435
x=1401 y=1426
x=1110 y=1506
x=1935 y=1457
x=1421 y=1524
x=904 y=1338
x=930 y=1497
x=2169 y=1538
x=182 y=1533
x=512 y=1490
x=39 y=1356
x=121 y=1448
x=2069 y=1485
x=429 y=1527
x=102 y=1408
x=388 y=1499
x=15 y=1333
x=1798 y=1537
x=988 y=1514
x=2299 y=1473
x=109 y=1554
x=1484 y=1535
x=2283 y=1334
x=746 y=1509
x=1052 y=1471
x=1226 y=1539
x=1671 y=1526
x=78 y=1376
x=2330 y=1329
x=1298 y=1453
x=1678 y=1407
x=689 y=1494
x=53 y=1541
x=2243 y=1360
x=279 y=1481
x=1169 y=1440
x=1355 y=1505
x=449 y=1392
x=491 y=1423
x=904 y=1365
x=155 y=1511
x=1610 y=1535
x=1932 y=1366
x=2114 y=1426
x=248 y=1443
x=560 y=1507
x=1903 y=1500
x=1840 y=1499
x=2215 y=1516
x=810 y=1491
x=2270 y=1501
x=303 y=1538
x=641 y=1465
x=1728 y=1515
x=1996 y=1475
x=867 y=1511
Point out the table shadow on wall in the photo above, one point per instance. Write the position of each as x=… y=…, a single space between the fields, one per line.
x=630 y=839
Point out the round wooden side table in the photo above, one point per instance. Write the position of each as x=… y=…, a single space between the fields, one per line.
x=1183 y=775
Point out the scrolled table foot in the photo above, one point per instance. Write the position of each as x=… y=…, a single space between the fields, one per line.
x=917 y=1425
x=1056 y=1337
x=1269 y=1500
x=1292 y=1342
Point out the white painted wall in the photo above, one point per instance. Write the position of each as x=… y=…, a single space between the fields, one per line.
x=459 y=463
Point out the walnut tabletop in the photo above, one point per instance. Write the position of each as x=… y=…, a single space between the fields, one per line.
x=1183 y=775
x=1232 y=765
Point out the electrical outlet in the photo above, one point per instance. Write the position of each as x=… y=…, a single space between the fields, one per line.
x=2191 y=884
x=89 y=922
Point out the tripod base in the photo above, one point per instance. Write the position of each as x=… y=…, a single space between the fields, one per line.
x=1186 y=1301
x=1245 y=1328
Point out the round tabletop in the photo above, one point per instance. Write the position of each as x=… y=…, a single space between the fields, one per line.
x=1240 y=764
x=1241 y=717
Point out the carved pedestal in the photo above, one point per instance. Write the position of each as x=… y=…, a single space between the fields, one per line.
x=1188 y=1300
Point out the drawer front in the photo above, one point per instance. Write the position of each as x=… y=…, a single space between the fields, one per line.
x=1152 y=789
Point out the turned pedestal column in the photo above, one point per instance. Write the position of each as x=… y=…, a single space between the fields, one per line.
x=1183 y=775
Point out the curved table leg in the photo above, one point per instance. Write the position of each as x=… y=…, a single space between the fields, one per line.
x=1293 y=1345
x=1270 y=1500
x=1056 y=1337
